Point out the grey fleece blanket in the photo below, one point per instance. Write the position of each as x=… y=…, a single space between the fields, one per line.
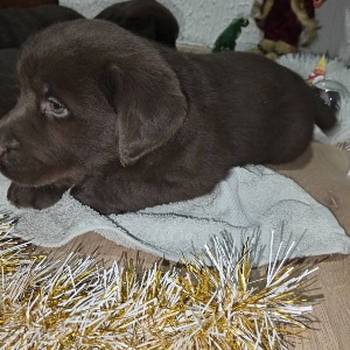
x=251 y=201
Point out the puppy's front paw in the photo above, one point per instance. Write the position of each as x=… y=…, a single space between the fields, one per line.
x=32 y=197
x=90 y=196
x=86 y=195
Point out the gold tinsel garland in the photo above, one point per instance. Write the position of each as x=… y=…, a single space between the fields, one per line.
x=77 y=304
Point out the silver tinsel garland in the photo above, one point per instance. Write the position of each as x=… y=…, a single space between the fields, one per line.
x=79 y=304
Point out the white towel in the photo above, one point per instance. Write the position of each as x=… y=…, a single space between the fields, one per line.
x=250 y=200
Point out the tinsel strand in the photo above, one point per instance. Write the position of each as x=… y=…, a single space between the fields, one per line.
x=77 y=304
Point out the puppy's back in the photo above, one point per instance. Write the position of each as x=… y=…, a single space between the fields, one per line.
x=265 y=112
x=254 y=83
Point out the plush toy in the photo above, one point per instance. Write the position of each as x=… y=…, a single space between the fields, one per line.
x=286 y=24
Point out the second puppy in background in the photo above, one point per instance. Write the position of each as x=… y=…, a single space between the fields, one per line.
x=17 y=24
x=146 y=18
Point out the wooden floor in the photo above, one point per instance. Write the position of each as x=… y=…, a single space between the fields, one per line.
x=333 y=313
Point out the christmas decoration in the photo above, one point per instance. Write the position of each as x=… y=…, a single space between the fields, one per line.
x=319 y=72
x=78 y=304
x=227 y=39
x=330 y=91
x=286 y=24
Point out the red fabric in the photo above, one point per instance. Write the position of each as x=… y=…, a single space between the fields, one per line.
x=282 y=24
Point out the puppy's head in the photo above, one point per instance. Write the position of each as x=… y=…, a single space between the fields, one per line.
x=91 y=94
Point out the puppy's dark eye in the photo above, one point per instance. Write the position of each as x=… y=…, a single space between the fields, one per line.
x=54 y=108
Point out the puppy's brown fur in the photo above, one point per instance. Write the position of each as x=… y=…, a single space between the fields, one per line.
x=146 y=125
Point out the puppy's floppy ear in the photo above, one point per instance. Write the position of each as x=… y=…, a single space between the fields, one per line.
x=150 y=108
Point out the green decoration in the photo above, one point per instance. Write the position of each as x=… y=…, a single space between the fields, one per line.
x=227 y=39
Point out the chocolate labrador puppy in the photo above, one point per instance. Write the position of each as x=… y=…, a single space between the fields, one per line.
x=17 y=24
x=128 y=124
x=146 y=18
